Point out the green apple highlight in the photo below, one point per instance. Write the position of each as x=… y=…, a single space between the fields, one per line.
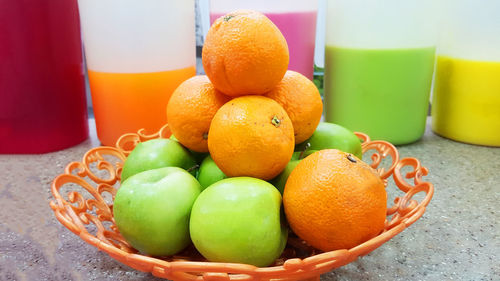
x=152 y=210
x=239 y=220
x=157 y=153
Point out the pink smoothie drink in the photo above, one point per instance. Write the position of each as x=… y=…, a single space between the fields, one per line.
x=299 y=30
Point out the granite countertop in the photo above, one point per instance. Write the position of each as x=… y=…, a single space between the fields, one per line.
x=458 y=238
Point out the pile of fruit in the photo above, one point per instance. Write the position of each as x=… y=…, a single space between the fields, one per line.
x=247 y=143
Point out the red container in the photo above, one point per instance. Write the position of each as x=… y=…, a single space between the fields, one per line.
x=42 y=89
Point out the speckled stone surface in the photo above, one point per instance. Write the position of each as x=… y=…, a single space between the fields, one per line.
x=458 y=238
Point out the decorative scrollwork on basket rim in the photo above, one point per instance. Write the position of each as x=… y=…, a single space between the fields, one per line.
x=132 y=139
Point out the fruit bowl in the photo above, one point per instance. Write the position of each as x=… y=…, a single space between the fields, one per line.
x=83 y=202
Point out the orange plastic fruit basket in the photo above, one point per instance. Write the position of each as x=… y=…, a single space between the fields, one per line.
x=83 y=202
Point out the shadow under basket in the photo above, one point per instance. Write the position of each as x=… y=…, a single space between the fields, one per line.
x=83 y=202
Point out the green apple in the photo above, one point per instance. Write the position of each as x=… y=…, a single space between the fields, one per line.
x=152 y=209
x=239 y=220
x=157 y=153
x=209 y=172
x=333 y=136
x=198 y=156
x=280 y=181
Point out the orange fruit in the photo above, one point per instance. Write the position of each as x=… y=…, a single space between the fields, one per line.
x=251 y=136
x=244 y=53
x=334 y=201
x=191 y=109
x=302 y=102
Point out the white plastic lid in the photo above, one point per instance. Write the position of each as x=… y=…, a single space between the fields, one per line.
x=470 y=29
x=381 y=24
x=264 y=6
x=133 y=36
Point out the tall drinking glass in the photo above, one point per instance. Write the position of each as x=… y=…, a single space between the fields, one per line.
x=379 y=62
x=466 y=100
x=296 y=19
x=137 y=52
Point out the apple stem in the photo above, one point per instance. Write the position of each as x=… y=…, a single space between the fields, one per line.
x=192 y=168
x=306 y=147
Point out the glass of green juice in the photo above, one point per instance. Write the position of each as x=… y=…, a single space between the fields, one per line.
x=379 y=64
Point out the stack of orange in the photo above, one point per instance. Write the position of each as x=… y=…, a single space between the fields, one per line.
x=248 y=112
x=245 y=58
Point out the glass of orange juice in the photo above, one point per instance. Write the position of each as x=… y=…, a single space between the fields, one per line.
x=137 y=53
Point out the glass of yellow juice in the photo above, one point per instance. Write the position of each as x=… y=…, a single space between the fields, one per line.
x=466 y=97
x=137 y=53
